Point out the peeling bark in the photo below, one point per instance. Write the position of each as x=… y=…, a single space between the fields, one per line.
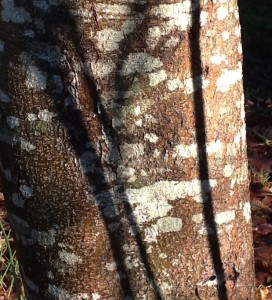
x=123 y=149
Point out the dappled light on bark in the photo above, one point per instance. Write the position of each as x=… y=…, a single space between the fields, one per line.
x=118 y=182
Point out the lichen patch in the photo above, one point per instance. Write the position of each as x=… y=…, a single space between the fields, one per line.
x=228 y=78
x=140 y=63
x=35 y=78
x=4 y=97
x=69 y=258
x=15 y=14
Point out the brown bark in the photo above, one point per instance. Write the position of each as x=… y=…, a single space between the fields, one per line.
x=123 y=149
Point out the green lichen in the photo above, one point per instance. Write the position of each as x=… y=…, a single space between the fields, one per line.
x=40 y=127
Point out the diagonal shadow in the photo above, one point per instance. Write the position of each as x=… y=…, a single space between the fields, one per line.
x=68 y=35
x=126 y=47
x=201 y=139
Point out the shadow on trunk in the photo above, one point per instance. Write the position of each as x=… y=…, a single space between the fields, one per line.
x=62 y=31
x=208 y=208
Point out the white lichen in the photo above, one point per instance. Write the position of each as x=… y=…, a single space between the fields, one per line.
x=137 y=110
x=29 y=33
x=211 y=32
x=228 y=170
x=102 y=68
x=169 y=224
x=220 y=217
x=197 y=218
x=218 y=59
x=15 y=14
x=32 y=117
x=132 y=262
x=96 y=296
x=17 y=200
x=172 y=42
x=225 y=35
x=140 y=63
x=151 y=233
x=237 y=30
x=31 y=236
x=126 y=173
x=214 y=147
x=35 y=78
x=26 y=191
x=240 y=49
x=225 y=217
x=228 y=78
x=153 y=201
x=212 y=282
x=157 y=77
x=60 y=293
x=139 y=123
x=185 y=151
x=222 y=13
x=155 y=33
x=191 y=151
x=151 y=137
x=247 y=212
x=203 y=17
x=180 y=13
x=239 y=175
x=205 y=230
x=41 y=4
x=111 y=266
x=25 y=145
x=108 y=39
x=50 y=275
x=113 y=9
x=174 y=84
x=42 y=238
x=13 y=121
x=69 y=258
x=192 y=85
x=223 y=110
x=45 y=115
x=131 y=151
x=166 y=288
x=4 y=97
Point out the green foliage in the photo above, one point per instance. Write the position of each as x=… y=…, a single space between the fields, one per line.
x=10 y=280
x=259 y=176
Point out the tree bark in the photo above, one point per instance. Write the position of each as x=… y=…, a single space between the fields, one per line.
x=123 y=149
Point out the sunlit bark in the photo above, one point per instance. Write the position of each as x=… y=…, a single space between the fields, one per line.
x=123 y=149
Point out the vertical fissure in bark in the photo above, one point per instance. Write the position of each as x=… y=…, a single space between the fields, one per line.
x=73 y=122
x=201 y=140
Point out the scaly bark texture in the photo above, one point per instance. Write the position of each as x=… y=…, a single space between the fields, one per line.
x=123 y=148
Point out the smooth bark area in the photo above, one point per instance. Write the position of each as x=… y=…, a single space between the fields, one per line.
x=123 y=149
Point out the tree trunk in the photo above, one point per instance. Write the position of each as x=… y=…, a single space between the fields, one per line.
x=123 y=149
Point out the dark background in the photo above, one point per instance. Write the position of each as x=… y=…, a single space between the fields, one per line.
x=256 y=23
